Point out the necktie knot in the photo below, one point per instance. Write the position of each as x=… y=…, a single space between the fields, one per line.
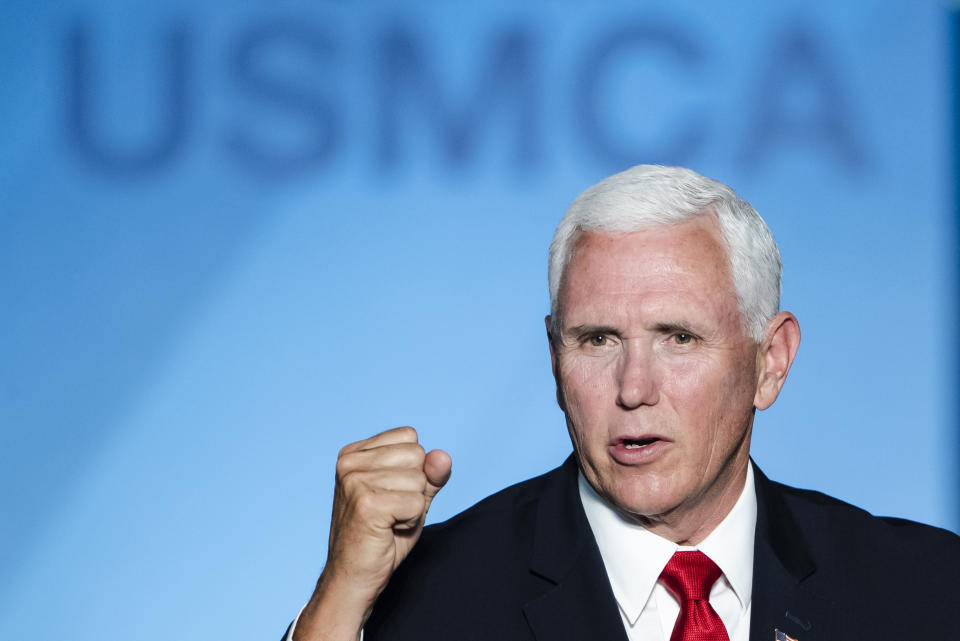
x=690 y=576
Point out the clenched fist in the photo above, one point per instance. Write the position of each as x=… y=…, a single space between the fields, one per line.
x=383 y=490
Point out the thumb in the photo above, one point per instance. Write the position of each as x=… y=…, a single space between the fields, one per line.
x=437 y=466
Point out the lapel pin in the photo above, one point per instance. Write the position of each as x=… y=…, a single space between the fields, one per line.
x=781 y=636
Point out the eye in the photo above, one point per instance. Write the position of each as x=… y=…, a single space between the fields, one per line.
x=598 y=340
x=682 y=338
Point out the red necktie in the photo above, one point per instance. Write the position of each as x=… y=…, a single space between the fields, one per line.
x=690 y=575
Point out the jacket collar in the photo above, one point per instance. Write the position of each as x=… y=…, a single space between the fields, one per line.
x=782 y=568
x=578 y=602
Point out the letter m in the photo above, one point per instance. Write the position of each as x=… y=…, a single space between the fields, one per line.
x=408 y=86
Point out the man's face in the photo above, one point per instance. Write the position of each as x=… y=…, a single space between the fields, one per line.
x=655 y=374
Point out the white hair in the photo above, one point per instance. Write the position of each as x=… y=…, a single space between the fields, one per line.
x=649 y=195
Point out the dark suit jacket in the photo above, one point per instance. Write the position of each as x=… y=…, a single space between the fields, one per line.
x=523 y=564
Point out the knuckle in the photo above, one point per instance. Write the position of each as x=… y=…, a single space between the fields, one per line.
x=344 y=457
x=345 y=466
x=407 y=433
x=368 y=503
x=353 y=482
x=412 y=455
x=349 y=447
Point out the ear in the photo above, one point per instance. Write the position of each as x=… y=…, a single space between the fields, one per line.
x=776 y=354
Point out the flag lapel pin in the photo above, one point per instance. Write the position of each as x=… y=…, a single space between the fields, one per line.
x=781 y=636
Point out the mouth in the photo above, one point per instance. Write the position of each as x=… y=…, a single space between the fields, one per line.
x=637 y=443
x=640 y=449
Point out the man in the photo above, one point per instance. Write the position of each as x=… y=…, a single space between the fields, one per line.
x=665 y=338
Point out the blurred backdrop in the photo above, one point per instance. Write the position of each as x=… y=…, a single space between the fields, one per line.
x=237 y=236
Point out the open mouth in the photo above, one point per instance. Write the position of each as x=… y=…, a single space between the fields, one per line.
x=635 y=444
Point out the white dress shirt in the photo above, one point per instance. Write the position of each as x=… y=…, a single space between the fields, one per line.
x=634 y=558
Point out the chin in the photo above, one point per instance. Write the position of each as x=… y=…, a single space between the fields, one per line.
x=642 y=499
x=643 y=510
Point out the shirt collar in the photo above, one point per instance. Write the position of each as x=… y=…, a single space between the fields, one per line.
x=634 y=556
x=730 y=545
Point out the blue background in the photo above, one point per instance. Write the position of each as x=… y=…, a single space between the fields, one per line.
x=235 y=237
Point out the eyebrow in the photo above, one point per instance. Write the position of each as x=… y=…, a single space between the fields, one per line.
x=663 y=328
x=581 y=330
x=669 y=328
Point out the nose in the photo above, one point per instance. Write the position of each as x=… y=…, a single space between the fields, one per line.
x=638 y=379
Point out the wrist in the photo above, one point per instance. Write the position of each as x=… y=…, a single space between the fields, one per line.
x=337 y=611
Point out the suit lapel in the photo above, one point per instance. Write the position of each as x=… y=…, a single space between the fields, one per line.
x=782 y=565
x=579 y=604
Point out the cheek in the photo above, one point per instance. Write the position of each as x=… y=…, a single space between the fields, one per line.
x=706 y=375
x=700 y=390
x=683 y=373
x=712 y=397
x=692 y=384
x=587 y=380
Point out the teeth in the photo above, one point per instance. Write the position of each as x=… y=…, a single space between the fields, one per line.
x=635 y=445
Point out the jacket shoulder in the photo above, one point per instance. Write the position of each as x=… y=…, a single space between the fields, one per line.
x=842 y=521
x=874 y=557
x=856 y=574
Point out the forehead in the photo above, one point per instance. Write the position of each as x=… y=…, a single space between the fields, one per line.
x=685 y=263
